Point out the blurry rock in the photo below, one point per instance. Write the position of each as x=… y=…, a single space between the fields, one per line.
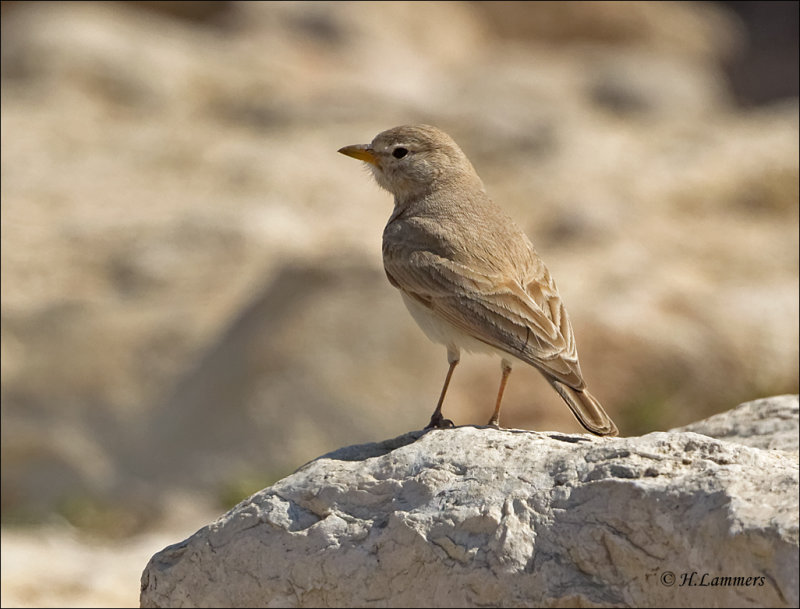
x=765 y=69
x=183 y=249
x=204 y=11
x=81 y=572
x=278 y=382
x=675 y=28
x=476 y=517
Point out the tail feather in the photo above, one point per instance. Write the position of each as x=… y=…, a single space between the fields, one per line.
x=586 y=409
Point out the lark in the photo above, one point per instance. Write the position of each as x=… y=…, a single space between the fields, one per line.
x=467 y=273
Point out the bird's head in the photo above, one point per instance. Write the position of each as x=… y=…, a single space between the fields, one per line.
x=413 y=160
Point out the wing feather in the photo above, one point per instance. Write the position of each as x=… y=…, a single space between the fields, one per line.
x=524 y=317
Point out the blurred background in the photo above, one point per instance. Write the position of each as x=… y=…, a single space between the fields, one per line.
x=193 y=300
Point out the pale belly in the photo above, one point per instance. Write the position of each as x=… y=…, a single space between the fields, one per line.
x=443 y=332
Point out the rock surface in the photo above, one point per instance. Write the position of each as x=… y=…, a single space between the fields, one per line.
x=473 y=517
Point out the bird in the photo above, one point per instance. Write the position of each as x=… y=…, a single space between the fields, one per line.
x=467 y=273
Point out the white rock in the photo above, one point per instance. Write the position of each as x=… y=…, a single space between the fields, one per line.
x=482 y=517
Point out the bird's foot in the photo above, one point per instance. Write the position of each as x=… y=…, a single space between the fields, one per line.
x=439 y=422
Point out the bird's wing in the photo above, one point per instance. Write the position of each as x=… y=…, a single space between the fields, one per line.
x=523 y=318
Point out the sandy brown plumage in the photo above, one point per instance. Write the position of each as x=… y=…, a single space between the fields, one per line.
x=468 y=274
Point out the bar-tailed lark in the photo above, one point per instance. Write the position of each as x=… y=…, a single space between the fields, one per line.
x=467 y=273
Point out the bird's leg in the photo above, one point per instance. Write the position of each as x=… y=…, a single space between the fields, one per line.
x=437 y=420
x=495 y=420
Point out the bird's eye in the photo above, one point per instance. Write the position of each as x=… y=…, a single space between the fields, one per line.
x=399 y=152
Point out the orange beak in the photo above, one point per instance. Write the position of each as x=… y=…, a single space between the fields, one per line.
x=362 y=152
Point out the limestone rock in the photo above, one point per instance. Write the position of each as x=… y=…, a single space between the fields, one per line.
x=476 y=516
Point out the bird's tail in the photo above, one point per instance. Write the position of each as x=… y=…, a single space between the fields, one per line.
x=586 y=409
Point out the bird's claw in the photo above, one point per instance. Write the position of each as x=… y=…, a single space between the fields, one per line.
x=439 y=422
